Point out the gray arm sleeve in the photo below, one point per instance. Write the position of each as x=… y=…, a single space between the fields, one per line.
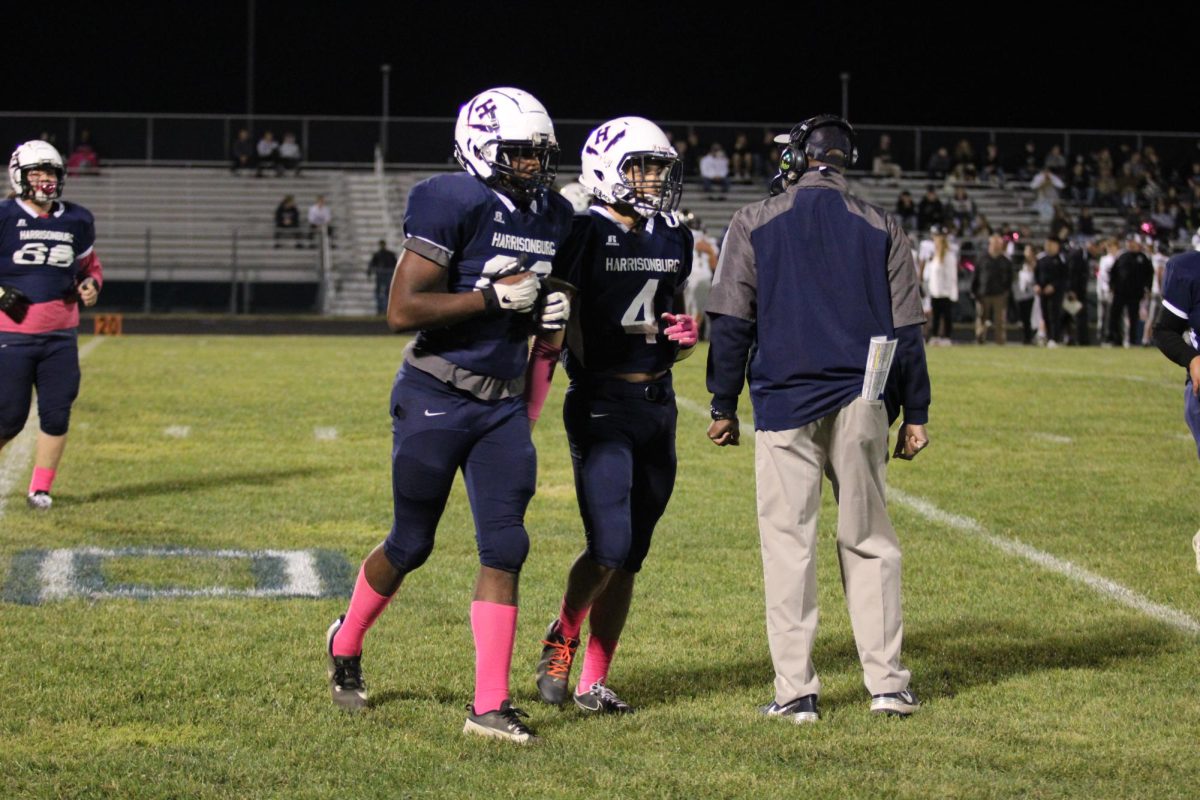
x=434 y=252
x=735 y=283
x=902 y=277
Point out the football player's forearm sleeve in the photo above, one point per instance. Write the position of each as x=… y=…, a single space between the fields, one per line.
x=1168 y=338
x=912 y=374
x=728 y=352
x=90 y=267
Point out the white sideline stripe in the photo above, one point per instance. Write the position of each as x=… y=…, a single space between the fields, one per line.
x=325 y=434
x=178 y=431
x=1110 y=589
x=20 y=450
x=692 y=406
x=301 y=570
x=57 y=574
x=1052 y=437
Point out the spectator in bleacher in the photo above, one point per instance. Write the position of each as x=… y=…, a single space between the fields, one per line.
x=1050 y=287
x=939 y=273
x=320 y=220
x=1024 y=293
x=1151 y=165
x=1055 y=161
x=714 y=170
x=1060 y=224
x=992 y=170
x=906 y=212
x=962 y=209
x=243 y=151
x=289 y=154
x=1046 y=187
x=768 y=155
x=1085 y=225
x=989 y=287
x=1163 y=218
x=83 y=159
x=939 y=164
x=965 y=168
x=930 y=210
x=1187 y=218
x=883 y=164
x=1080 y=182
x=742 y=159
x=381 y=267
x=268 y=154
x=685 y=156
x=1129 y=186
x=1029 y=165
x=1108 y=193
x=287 y=221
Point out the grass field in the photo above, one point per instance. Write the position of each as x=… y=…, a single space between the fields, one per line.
x=187 y=454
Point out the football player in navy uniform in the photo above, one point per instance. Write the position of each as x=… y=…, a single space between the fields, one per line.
x=1175 y=335
x=469 y=282
x=627 y=260
x=47 y=267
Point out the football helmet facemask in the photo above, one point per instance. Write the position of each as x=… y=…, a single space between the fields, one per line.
x=629 y=161
x=36 y=155
x=505 y=138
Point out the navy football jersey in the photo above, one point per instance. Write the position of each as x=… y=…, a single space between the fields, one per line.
x=626 y=279
x=457 y=221
x=1181 y=290
x=39 y=255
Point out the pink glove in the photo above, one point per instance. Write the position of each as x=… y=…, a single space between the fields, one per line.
x=682 y=330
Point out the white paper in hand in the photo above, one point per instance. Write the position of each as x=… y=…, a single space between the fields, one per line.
x=879 y=363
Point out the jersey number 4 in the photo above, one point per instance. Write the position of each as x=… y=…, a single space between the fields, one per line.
x=36 y=254
x=640 y=317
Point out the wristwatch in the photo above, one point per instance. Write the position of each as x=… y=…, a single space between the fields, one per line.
x=717 y=414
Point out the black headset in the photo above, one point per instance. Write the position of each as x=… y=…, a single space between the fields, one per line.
x=793 y=159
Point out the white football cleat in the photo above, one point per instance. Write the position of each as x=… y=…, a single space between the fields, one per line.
x=39 y=501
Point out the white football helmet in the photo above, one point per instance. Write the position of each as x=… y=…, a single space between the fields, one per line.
x=629 y=161
x=40 y=155
x=501 y=125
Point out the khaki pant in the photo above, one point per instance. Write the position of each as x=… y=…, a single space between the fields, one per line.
x=850 y=446
x=995 y=308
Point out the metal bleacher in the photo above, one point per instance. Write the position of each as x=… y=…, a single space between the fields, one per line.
x=204 y=224
x=181 y=224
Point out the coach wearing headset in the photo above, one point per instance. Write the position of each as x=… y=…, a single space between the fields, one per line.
x=806 y=278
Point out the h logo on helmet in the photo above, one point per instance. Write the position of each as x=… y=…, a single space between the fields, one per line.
x=486 y=109
x=602 y=134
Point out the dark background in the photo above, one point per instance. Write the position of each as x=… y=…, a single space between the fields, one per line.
x=911 y=64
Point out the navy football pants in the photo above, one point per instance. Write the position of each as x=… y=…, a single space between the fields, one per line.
x=48 y=362
x=622 y=438
x=438 y=430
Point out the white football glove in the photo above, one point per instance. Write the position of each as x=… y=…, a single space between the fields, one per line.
x=519 y=297
x=556 y=312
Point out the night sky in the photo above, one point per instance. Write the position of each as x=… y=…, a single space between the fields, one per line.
x=770 y=63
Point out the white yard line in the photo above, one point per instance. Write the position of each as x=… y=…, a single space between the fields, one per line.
x=178 y=431
x=325 y=434
x=1053 y=438
x=19 y=452
x=1097 y=583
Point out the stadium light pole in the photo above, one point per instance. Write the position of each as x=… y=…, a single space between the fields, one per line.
x=386 y=69
x=845 y=95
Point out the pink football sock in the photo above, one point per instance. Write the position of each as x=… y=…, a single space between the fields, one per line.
x=42 y=480
x=570 y=621
x=366 y=605
x=495 y=627
x=595 y=662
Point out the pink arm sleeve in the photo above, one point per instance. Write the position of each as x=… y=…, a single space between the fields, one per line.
x=89 y=267
x=538 y=374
